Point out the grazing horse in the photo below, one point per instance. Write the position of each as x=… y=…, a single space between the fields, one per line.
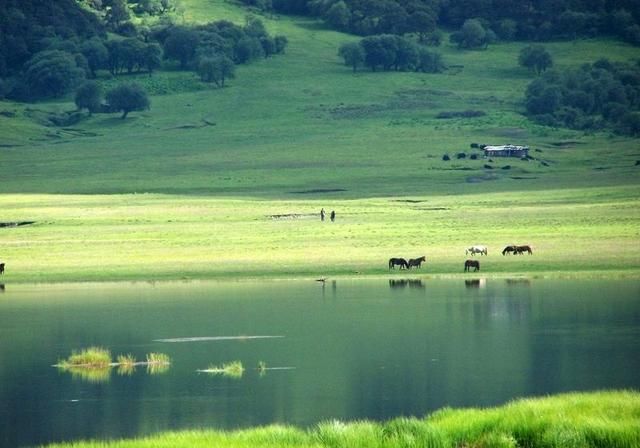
x=521 y=249
x=510 y=249
x=398 y=261
x=1 y=268
x=417 y=262
x=482 y=250
x=471 y=264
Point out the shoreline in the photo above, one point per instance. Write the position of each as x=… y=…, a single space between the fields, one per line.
x=616 y=274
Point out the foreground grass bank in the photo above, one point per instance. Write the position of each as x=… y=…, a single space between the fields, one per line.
x=597 y=419
x=160 y=237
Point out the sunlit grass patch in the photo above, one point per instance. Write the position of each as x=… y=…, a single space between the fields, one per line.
x=94 y=357
x=608 y=419
x=233 y=369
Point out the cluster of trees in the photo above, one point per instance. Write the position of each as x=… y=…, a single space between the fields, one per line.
x=505 y=19
x=47 y=49
x=390 y=52
x=221 y=40
x=603 y=95
x=125 y=97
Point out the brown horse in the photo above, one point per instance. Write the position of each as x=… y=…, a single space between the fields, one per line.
x=471 y=264
x=510 y=249
x=521 y=249
x=393 y=262
x=417 y=262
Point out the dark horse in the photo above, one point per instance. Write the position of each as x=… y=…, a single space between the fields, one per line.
x=521 y=249
x=471 y=264
x=1 y=268
x=417 y=262
x=398 y=261
x=510 y=249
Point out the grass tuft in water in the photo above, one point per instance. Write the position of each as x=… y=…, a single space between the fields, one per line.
x=158 y=358
x=233 y=369
x=94 y=357
x=126 y=364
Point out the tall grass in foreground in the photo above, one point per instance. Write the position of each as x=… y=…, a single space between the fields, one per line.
x=576 y=420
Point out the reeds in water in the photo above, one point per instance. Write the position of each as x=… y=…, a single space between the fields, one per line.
x=232 y=369
x=126 y=364
x=92 y=357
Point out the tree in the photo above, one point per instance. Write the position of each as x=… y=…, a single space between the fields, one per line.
x=422 y=22
x=338 y=15
x=117 y=13
x=406 y=54
x=95 y=53
x=52 y=73
x=89 y=96
x=216 y=69
x=471 y=35
x=152 y=57
x=429 y=61
x=352 y=53
x=280 y=43
x=536 y=58
x=181 y=45
x=127 y=98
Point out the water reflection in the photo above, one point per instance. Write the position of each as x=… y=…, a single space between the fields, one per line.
x=475 y=283
x=403 y=283
x=364 y=355
x=518 y=282
x=1 y=287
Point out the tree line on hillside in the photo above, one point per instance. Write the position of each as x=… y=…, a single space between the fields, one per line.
x=390 y=52
x=506 y=19
x=591 y=97
x=49 y=48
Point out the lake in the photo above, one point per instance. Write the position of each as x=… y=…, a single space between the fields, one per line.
x=345 y=349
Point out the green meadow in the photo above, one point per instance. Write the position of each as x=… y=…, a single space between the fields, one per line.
x=597 y=419
x=189 y=189
x=587 y=231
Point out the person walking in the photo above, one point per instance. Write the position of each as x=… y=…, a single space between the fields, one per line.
x=322 y=214
x=333 y=215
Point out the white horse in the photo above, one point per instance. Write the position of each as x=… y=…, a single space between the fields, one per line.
x=482 y=250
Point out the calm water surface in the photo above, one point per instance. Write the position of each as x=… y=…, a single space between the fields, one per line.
x=371 y=349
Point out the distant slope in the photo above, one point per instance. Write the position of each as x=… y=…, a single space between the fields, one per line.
x=303 y=125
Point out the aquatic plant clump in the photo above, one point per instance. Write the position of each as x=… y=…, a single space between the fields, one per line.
x=158 y=358
x=233 y=369
x=92 y=357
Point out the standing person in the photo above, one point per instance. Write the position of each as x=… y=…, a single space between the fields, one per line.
x=322 y=214
x=333 y=215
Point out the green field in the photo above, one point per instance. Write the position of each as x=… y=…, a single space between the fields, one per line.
x=579 y=420
x=164 y=195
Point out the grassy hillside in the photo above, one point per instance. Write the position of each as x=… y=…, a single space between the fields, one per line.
x=298 y=132
x=303 y=122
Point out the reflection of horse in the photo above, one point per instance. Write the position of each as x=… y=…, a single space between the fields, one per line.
x=1 y=268
x=417 y=262
x=510 y=249
x=393 y=284
x=482 y=250
x=471 y=264
x=393 y=262
x=1 y=287
x=475 y=283
x=522 y=249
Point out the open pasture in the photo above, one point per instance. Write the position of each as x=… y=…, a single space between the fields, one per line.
x=161 y=237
